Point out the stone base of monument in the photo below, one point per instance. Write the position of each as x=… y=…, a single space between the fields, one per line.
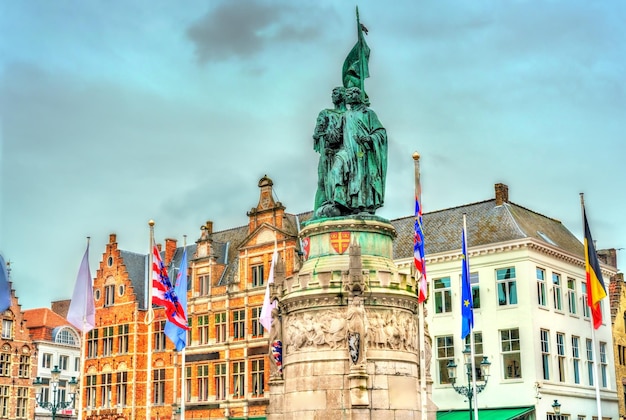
x=348 y=287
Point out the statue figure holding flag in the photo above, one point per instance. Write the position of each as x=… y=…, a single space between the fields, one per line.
x=352 y=144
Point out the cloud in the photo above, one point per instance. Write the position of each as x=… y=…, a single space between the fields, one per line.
x=247 y=28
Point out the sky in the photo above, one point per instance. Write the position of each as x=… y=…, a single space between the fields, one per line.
x=113 y=113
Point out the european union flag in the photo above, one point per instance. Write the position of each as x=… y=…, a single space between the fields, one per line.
x=467 y=306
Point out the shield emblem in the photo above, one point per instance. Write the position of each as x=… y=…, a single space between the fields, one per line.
x=340 y=241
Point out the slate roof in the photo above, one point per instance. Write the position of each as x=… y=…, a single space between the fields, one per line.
x=487 y=223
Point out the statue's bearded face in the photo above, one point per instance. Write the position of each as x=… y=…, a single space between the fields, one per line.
x=354 y=95
x=338 y=94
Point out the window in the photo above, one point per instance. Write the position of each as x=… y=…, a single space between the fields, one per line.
x=158 y=394
x=220 y=327
x=7 y=329
x=560 y=353
x=571 y=296
x=445 y=354
x=92 y=344
x=576 y=358
x=557 y=293
x=257 y=328
x=122 y=338
x=159 y=336
x=475 y=290
x=188 y=384
x=203 y=382
x=603 y=366
x=121 y=388
x=257 y=371
x=46 y=361
x=443 y=295
x=105 y=390
x=66 y=336
x=107 y=341
x=21 y=409
x=61 y=390
x=550 y=416
x=589 y=346
x=205 y=283
x=4 y=401
x=77 y=364
x=203 y=329
x=64 y=361
x=5 y=364
x=24 y=369
x=109 y=295
x=544 y=336
x=239 y=379
x=220 y=380
x=542 y=300
x=45 y=390
x=507 y=288
x=90 y=391
x=511 y=356
x=239 y=324
x=585 y=307
x=257 y=275
x=478 y=353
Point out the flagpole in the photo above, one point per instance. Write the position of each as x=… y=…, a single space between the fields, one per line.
x=149 y=319
x=82 y=355
x=471 y=333
x=421 y=303
x=593 y=333
x=182 y=355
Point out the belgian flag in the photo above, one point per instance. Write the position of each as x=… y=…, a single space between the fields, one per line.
x=595 y=285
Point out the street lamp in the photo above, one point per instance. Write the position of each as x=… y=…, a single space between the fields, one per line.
x=556 y=406
x=468 y=391
x=56 y=403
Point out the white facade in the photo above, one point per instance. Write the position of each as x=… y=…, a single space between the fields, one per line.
x=517 y=313
x=63 y=351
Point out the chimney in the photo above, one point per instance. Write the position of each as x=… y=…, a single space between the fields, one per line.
x=502 y=194
x=208 y=226
x=608 y=256
x=112 y=238
x=170 y=250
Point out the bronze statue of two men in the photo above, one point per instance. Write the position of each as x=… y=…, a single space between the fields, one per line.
x=353 y=156
x=352 y=144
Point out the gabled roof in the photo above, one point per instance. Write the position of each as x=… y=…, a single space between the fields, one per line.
x=43 y=317
x=487 y=223
x=136 y=265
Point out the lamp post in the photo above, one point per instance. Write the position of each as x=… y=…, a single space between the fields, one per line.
x=56 y=403
x=556 y=406
x=468 y=391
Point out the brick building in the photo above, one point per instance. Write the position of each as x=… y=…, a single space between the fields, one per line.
x=18 y=360
x=226 y=358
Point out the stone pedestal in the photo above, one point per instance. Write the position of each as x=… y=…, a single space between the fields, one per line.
x=340 y=293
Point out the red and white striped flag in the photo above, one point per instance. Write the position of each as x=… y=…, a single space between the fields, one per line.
x=163 y=293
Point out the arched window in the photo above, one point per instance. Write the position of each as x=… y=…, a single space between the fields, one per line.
x=65 y=335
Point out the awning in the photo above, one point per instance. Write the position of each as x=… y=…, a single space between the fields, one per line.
x=488 y=414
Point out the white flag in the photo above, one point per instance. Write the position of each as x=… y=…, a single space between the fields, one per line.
x=82 y=313
x=266 y=312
